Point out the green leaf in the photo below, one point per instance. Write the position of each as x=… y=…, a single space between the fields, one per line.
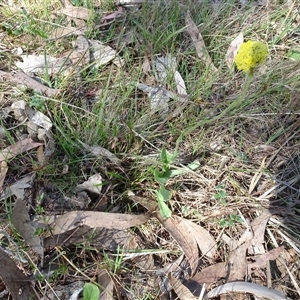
x=162 y=177
x=163 y=195
x=178 y=172
x=192 y=166
x=90 y=292
x=294 y=54
x=167 y=157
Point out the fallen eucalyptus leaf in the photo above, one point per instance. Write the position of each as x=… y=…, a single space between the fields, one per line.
x=75 y=12
x=198 y=41
x=182 y=291
x=102 y=54
x=107 y=284
x=38 y=118
x=80 y=55
x=180 y=84
x=94 y=219
x=18 y=148
x=181 y=232
x=233 y=49
x=21 y=221
x=3 y=172
x=18 y=108
x=23 y=79
x=100 y=151
x=41 y=64
x=93 y=184
x=15 y=280
x=18 y=188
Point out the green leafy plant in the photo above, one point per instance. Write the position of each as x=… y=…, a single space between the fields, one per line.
x=220 y=194
x=28 y=25
x=114 y=264
x=228 y=222
x=61 y=271
x=37 y=102
x=90 y=292
x=163 y=196
x=162 y=176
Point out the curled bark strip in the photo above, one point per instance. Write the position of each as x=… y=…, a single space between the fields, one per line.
x=246 y=287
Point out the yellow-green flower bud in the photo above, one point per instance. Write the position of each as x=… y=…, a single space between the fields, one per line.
x=250 y=55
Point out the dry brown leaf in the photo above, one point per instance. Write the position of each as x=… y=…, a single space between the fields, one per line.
x=198 y=42
x=21 y=221
x=205 y=241
x=40 y=155
x=237 y=263
x=150 y=204
x=261 y=260
x=18 y=108
x=174 y=267
x=81 y=53
x=76 y=12
x=16 y=282
x=41 y=63
x=180 y=84
x=144 y=262
x=24 y=79
x=94 y=219
x=103 y=54
x=103 y=238
x=38 y=118
x=259 y=226
x=107 y=286
x=182 y=232
x=93 y=184
x=182 y=291
x=61 y=32
x=18 y=188
x=233 y=49
x=99 y=151
x=210 y=274
x=18 y=148
x=251 y=240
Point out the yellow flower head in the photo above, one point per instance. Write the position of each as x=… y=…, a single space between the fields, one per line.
x=250 y=55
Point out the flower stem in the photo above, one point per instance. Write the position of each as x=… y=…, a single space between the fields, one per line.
x=237 y=102
x=231 y=106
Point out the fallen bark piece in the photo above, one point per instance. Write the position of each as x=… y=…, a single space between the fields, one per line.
x=22 y=78
x=259 y=291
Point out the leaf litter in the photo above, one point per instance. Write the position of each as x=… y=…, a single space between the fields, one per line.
x=21 y=221
x=246 y=249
